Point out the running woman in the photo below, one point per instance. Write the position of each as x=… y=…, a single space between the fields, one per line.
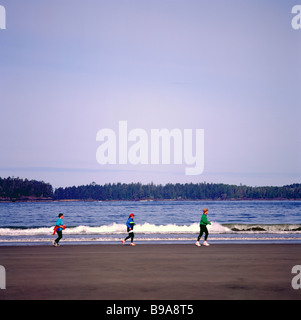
x=203 y=229
x=130 y=229
x=59 y=227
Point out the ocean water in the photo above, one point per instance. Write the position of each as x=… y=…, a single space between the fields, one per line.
x=31 y=223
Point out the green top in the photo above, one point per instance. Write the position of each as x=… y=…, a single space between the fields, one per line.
x=204 y=220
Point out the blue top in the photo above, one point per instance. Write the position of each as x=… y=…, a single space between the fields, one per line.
x=130 y=223
x=59 y=222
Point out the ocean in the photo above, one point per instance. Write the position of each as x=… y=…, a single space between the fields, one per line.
x=31 y=223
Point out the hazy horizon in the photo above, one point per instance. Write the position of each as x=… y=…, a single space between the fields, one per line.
x=70 y=69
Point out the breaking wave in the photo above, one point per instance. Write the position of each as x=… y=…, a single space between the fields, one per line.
x=151 y=229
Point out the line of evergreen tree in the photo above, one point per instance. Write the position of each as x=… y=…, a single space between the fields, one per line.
x=13 y=189
x=200 y=191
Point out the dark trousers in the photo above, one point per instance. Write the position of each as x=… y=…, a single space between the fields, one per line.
x=203 y=229
x=130 y=236
x=60 y=236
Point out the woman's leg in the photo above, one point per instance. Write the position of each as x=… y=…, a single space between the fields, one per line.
x=201 y=233
x=206 y=233
x=60 y=236
x=132 y=236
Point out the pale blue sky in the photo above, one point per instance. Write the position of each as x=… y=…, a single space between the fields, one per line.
x=70 y=68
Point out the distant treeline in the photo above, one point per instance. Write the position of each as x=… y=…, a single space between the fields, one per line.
x=14 y=189
x=18 y=189
x=200 y=191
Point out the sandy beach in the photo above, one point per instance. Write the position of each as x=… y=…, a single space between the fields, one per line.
x=150 y=272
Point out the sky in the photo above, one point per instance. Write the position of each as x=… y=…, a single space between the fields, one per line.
x=71 y=68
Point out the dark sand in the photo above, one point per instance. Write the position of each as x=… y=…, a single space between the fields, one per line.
x=151 y=272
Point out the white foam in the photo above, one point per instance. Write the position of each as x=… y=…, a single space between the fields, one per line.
x=25 y=232
x=152 y=229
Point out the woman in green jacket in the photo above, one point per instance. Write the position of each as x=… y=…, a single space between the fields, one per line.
x=203 y=229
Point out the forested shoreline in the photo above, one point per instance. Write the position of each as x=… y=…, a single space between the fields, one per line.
x=16 y=189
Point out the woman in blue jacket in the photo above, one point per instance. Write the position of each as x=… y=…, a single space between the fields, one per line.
x=130 y=229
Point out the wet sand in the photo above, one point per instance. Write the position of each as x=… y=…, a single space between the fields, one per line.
x=150 y=272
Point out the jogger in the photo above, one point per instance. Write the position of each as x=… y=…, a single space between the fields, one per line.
x=203 y=229
x=59 y=227
x=130 y=229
